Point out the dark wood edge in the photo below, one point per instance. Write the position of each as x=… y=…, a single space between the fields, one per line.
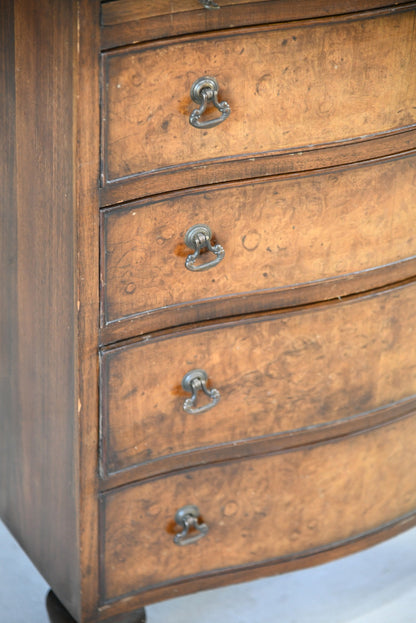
x=212 y=172
x=249 y=448
x=86 y=148
x=261 y=301
x=117 y=32
x=236 y=158
x=257 y=316
x=302 y=560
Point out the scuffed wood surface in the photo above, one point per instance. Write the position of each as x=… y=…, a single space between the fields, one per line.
x=288 y=87
x=118 y=12
x=278 y=373
x=275 y=232
x=129 y=21
x=259 y=510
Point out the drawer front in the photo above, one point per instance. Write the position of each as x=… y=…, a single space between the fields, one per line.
x=260 y=510
x=289 y=87
x=277 y=373
x=129 y=21
x=118 y=11
x=276 y=233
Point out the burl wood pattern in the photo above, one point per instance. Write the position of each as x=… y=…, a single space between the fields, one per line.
x=278 y=373
x=259 y=510
x=288 y=87
x=275 y=232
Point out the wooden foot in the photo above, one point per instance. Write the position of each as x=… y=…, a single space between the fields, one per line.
x=58 y=614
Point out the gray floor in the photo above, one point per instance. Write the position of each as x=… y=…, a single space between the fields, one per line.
x=375 y=586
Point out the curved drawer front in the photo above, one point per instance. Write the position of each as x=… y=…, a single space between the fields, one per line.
x=275 y=233
x=262 y=510
x=277 y=373
x=128 y=21
x=289 y=87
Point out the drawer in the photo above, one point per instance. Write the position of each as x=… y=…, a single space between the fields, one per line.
x=289 y=87
x=130 y=21
x=292 y=372
x=266 y=511
x=277 y=234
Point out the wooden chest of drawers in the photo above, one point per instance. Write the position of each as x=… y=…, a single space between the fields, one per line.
x=208 y=370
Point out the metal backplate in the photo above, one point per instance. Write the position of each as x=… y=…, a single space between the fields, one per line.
x=206 y=82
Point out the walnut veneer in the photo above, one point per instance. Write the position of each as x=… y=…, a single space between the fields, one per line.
x=301 y=444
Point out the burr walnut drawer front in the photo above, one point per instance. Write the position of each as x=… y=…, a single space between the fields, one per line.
x=265 y=510
x=288 y=86
x=278 y=373
x=263 y=235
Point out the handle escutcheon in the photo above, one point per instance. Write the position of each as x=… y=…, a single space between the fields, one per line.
x=209 y=4
x=204 y=92
x=195 y=381
x=197 y=238
x=188 y=518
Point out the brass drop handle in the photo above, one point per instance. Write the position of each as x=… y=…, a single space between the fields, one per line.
x=188 y=517
x=204 y=91
x=209 y=4
x=197 y=238
x=193 y=382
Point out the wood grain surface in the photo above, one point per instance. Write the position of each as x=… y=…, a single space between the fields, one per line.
x=289 y=86
x=37 y=404
x=278 y=506
x=300 y=160
x=276 y=233
x=299 y=93
x=281 y=372
x=49 y=304
x=129 y=21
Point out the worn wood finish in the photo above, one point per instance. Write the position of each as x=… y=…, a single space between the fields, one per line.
x=8 y=258
x=86 y=150
x=117 y=12
x=146 y=126
x=268 y=508
x=282 y=565
x=275 y=232
x=51 y=478
x=260 y=445
x=39 y=451
x=305 y=159
x=259 y=301
x=49 y=317
x=275 y=374
x=129 y=21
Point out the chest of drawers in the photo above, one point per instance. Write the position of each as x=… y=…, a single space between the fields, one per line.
x=208 y=370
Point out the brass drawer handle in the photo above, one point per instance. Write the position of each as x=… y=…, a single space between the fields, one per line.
x=188 y=518
x=194 y=381
x=197 y=238
x=203 y=92
x=209 y=4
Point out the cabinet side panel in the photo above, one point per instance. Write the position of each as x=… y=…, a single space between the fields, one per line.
x=39 y=465
x=8 y=256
